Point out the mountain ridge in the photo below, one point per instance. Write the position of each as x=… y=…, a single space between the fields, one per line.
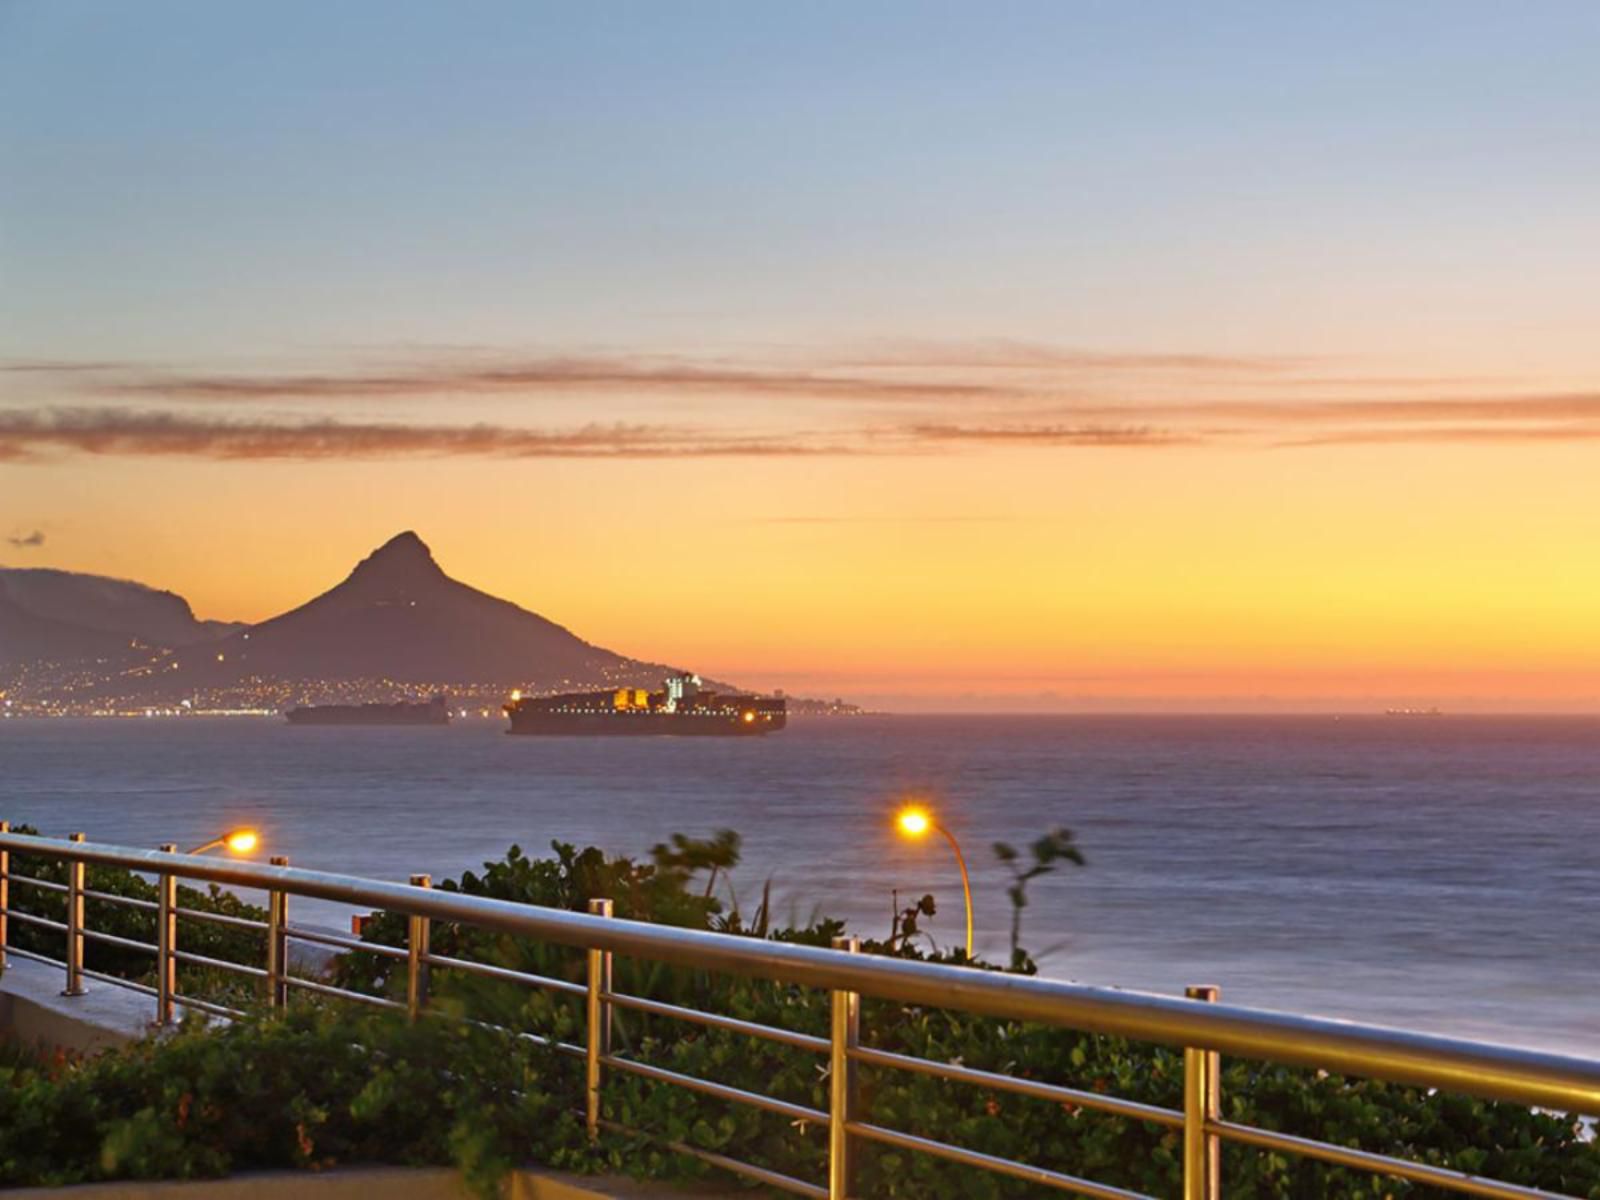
x=54 y=614
x=398 y=616
x=396 y=625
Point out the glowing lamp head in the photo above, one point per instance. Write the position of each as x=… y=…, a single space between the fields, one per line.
x=241 y=841
x=749 y=718
x=913 y=821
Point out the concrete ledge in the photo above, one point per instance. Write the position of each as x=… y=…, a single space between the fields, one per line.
x=363 y=1183
x=33 y=1010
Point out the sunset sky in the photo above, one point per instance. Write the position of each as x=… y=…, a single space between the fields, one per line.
x=1066 y=355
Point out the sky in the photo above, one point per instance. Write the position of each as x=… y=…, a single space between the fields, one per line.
x=969 y=356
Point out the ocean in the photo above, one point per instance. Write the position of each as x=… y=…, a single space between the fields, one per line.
x=1441 y=874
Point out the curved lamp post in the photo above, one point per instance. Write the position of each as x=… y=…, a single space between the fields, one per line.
x=239 y=841
x=914 y=821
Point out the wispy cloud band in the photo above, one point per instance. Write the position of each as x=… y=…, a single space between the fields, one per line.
x=889 y=398
x=553 y=374
x=30 y=435
x=1051 y=435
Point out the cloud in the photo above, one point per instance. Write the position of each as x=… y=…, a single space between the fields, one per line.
x=895 y=520
x=34 y=435
x=554 y=374
x=1009 y=354
x=1482 y=434
x=58 y=367
x=904 y=397
x=1051 y=435
x=29 y=435
x=1514 y=407
x=864 y=374
x=39 y=435
x=28 y=541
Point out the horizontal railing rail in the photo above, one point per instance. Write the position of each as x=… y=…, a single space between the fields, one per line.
x=1203 y=1028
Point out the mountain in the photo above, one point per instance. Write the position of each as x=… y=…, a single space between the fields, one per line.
x=399 y=617
x=97 y=603
x=60 y=617
x=27 y=637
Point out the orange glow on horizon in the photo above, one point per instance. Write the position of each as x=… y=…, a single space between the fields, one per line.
x=1352 y=577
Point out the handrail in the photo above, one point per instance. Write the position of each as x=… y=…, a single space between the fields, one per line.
x=1202 y=1027
x=1493 y=1071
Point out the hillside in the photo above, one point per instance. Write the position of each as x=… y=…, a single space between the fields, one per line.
x=398 y=616
x=101 y=604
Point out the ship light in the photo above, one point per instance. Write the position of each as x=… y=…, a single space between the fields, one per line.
x=516 y=693
x=748 y=717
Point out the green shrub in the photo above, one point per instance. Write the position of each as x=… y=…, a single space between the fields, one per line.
x=1504 y=1141
x=314 y=1089
x=298 y=1092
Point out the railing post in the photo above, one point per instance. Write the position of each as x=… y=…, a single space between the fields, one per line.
x=597 y=1017
x=166 y=942
x=1202 y=1093
x=5 y=892
x=277 y=943
x=75 y=885
x=845 y=1035
x=419 y=936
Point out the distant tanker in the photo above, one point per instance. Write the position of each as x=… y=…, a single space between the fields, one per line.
x=680 y=708
x=435 y=712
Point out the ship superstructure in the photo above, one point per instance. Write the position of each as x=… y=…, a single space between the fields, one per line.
x=681 y=707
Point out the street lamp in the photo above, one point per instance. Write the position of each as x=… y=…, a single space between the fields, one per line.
x=239 y=841
x=914 y=821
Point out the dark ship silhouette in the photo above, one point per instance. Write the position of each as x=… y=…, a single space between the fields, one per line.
x=681 y=708
x=434 y=712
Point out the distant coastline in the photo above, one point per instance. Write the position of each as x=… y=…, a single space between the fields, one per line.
x=396 y=631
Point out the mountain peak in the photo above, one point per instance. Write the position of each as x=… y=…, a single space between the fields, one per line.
x=404 y=556
x=406 y=542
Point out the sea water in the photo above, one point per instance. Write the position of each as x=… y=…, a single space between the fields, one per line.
x=1435 y=873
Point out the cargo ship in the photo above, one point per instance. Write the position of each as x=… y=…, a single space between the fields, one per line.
x=682 y=707
x=434 y=712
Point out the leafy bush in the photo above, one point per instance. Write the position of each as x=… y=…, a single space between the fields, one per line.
x=1504 y=1141
x=491 y=1121
x=312 y=1090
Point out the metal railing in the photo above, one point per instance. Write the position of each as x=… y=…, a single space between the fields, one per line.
x=1204 y=1028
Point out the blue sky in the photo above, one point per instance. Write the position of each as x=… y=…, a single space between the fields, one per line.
x=186 y=180
x=1054 y=354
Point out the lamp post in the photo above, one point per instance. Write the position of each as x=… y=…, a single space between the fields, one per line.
x=238 y=841
x=914 y=821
